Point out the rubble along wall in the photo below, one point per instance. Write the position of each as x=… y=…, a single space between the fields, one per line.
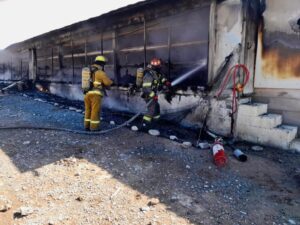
x=187 y=108
x=179 y=110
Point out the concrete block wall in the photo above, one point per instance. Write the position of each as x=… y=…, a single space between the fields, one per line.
x=254 y=124
x=219 y=120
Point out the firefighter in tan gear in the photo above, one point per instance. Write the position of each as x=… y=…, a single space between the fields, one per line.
x=93 y=97
x=153 y=81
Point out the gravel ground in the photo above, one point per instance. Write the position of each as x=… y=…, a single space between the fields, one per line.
x=124 y=177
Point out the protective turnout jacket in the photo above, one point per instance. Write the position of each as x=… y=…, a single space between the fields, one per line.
x=153 y=82
x=100 y=80
x=93 y=98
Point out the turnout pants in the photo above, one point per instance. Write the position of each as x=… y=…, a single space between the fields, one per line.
x=153 y=112
x=92 y=103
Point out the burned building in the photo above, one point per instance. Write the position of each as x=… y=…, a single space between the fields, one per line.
x=204 y=36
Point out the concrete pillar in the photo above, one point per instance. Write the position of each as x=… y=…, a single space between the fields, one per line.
x=212 y=40
x=32 y=65
x=60 y=57
x=115 y=58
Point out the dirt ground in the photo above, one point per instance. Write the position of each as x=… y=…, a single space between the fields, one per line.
x=126 y=177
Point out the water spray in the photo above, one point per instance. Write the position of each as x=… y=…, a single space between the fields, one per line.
x=189 y=73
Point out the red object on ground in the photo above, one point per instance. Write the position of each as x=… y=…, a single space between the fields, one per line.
x=219 y=154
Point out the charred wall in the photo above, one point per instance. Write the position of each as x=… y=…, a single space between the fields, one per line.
x=14 y=66
x=184 y=34
x=278 y=56
x=234 y=35
x=277 y=80
x=176 y=31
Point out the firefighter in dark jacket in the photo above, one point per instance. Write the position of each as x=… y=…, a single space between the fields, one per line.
x=93 y=98
x=153 y=82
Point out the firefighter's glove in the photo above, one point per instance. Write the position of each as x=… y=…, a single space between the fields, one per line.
x=166 y=86
x=169 y=94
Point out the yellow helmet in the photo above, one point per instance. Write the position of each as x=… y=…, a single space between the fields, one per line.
x=100 y=58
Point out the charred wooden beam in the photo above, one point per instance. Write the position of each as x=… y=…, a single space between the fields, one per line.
x=169 y=51
x=85 y=53
x=145 y=44
x=52 y=62
x=212 y=40
x=115 y=58
x=137 y=49
x=73 y=72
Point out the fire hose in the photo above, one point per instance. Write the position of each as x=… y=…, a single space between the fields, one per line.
x=24 y=127
x=77 y=131
x=237 y=87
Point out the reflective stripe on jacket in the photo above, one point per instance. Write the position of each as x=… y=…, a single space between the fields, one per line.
x=95 y=91
x=152 y=81
x=100 y=80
